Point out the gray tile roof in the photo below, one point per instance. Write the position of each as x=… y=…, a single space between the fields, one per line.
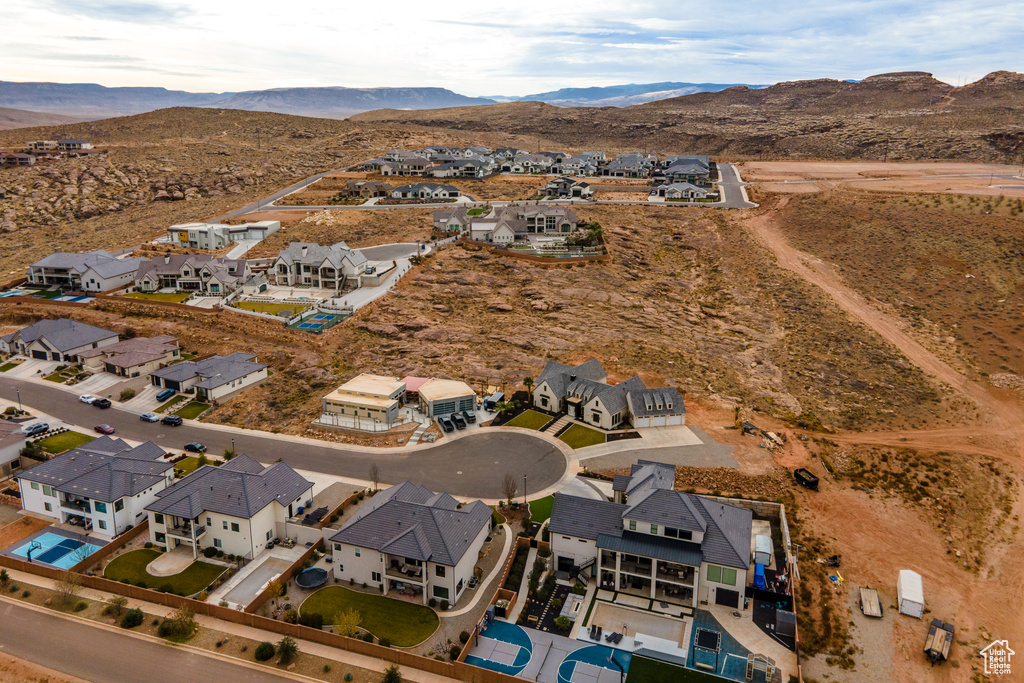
x=658 y=547
x=727 y=540
x=63 y=334
x=103 y=262
x=215 y=371
x=666 y=507
x=239 y=488
x=647 y=475
x=585 y=517
x=312 y=254
x=558 y=375
x=105 y=470
x=646 y=402
x=412 y=521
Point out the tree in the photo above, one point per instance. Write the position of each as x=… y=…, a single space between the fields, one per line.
x=116 y=604
x=528 y=383
x=5 y=578
x=287 y=649
x=392 y=675
x=275 y=589
x=66 y=587
x=264 y=651
x=346 y=622
x=375 y=475
x=509 y=486
x=203 y=460
x=180 y=624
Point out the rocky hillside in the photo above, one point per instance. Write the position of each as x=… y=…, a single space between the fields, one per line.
x=903 y=115
x=20 y=118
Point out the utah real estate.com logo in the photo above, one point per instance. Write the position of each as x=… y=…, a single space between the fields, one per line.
x=997 y=658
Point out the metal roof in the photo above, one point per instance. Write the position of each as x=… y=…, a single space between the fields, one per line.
x=658 y=547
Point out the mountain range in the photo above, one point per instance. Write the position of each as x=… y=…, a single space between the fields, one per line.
x=92 y=101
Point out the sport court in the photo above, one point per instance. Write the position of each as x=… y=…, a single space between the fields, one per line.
x=317 y=322
x=53 y=549
x=253 y=584
x=75 y=298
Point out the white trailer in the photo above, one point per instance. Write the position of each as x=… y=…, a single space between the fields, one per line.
x=910 y=592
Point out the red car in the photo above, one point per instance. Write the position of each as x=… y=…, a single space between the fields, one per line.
x=104 y=429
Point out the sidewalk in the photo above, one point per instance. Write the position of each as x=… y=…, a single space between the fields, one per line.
x=485 y=582
x=230 y=628
x=524 y=589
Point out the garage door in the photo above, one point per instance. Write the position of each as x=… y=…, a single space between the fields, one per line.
x=658 y=421
x=39 y=354
x=726 y=597
x=565 y=564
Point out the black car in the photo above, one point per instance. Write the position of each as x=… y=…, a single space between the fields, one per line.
x=446 y=424
x=459 y=422
x=102 y=403
x=172 y=420
x=195 y=447
x=469 y=416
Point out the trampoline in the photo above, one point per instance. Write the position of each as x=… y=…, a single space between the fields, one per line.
x=311 y=578
x=709 y=644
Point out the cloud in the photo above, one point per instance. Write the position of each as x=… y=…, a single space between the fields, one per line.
x=130 y=12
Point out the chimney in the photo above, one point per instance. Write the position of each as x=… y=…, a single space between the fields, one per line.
x=58 y=250
x=304 y=250
x=167 y=259
x=572 y=377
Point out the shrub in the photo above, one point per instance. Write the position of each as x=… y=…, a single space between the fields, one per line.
x=220 y=553
x=464 y=637
x=445 y=605
x=384 y=642
x=288 y=649
x=81 y=606
x=26 y=594
x=219 y=643
x=313 y=620
x=556 y=604
x=149 y=544
x=116 y=605
x=392 y=675
x=4 y=577
x=142 y=584
x=433 y=602
x=334 y=518
x=127 y=394
x=13 y=588
x=348 y=678
x=164 y=629
x=579 y=589
x=132 y=618
x=264 y=651
x=166 y=588
x=291 y=616
x=209 y=552
x=368 y=637
x=327 y=668
x=563 y=623
x=454 y=652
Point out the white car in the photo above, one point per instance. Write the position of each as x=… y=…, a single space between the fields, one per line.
x=87 y=398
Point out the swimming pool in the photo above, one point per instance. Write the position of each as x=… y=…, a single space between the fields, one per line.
x=502 y=647
x=588 y=658
x=75 y=298
x=54 y=550
x=14 y=292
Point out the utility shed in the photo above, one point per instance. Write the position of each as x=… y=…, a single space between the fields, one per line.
x=910 y=593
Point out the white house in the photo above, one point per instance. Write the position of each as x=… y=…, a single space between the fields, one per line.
x=105 y=484
x=408 y=538
x=217 y=236
x=446 y=396
x=12 y=440
x=212 y=378
x=200 y=273
x=236 y=507
x=62 y=339
x=95 y=271
x=654 y=542
x=306 y=263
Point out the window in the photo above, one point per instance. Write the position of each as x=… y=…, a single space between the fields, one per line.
x=234 y=526
x=714 y=573
x=209 y=522
x=728 y=576
x=269 y=534
x=35 y=486
x=375 y=576
x=49 y=508
x=357 y=552
x=441 y=592
x=118 y=505
x=337 y=547
x=48 y=491
x=99 y=507
x=103 y=525
x=632 y=525
x=458 y=588
x=439 y=570
x=654 y=529
x=158 y=518
x=160 y=538
x=681 y=534
x=217 y=543
x=225 y=523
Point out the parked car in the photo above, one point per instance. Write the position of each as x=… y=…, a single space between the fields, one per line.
x=446 y=424
x=149 y=417
x=102 y=403
x=37 y=428
x=195 y=447
x=104 y=429
x=470 y=416
x=459 y=422
x=172 y=420
x=165 y=394
x=86 y=398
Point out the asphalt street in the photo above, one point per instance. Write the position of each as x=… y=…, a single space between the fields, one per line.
x=102 y=656
x=472 y=466
x=390 y=252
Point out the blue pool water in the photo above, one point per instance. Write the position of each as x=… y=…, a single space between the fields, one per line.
x=507 y=633
x=596 y=655
x=14 y=292
x=55 y=550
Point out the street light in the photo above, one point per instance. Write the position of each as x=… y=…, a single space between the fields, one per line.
x=524 y=489
x=232 y=446
x=20 y=409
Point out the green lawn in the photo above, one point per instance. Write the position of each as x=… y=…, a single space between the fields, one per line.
x=273 y=309
x=529 y=419
x=172 y=402
x=644 y=670
x=7 y=366
x=56 y=377
x=192 y=410
x=173 y=297
x=403 y=623
x=46 y=294
x=58 y=443
x=132 y=567
x=188 y=465
x=540 y=510
x=579 y=436
x=476 y=212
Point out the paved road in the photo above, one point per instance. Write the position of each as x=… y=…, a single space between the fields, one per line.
x=96 y=654
x=264 y=204
x=731 y=185
x=390 y=252
x=472 y=466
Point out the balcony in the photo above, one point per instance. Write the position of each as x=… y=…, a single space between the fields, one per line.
x=638 y=568
x=185 y=531
x=403 y=571
x=676 y=573
x=77 y=506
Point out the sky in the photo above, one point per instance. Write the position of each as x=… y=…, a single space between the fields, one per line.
x=480 y=47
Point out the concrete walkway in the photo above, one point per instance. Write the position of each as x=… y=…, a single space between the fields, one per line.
x=174 y=562
x=239 y=630
x=653 y=437
x=485 y=582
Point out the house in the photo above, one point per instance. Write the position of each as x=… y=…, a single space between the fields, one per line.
x=17 y=159
x=465 y=168
x=411 y=539
x=548 y=220
x=501 y=226
x=200 y=273
x=455 y=219
x=687 y=171
x=577 y=165
x=95 y=271
x=105 y=484
x=425 y=191
x=367 y=188
x=373 y=397
x=60 y=339
x=654 y=542
x=236 y=507
x=307 y=263
x=582 y=392
x=12 y=440
x=73 y=145
x=631 y=166
x=217 y=236
x=42 y=146
x=446 y=396
x=528 y=163
x=681 y=191
x=212 y=378
x=509 y=153
x=566 y=188
x=407 y=166
x=132 y=357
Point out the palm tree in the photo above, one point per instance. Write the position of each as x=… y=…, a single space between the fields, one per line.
x=528 y=383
